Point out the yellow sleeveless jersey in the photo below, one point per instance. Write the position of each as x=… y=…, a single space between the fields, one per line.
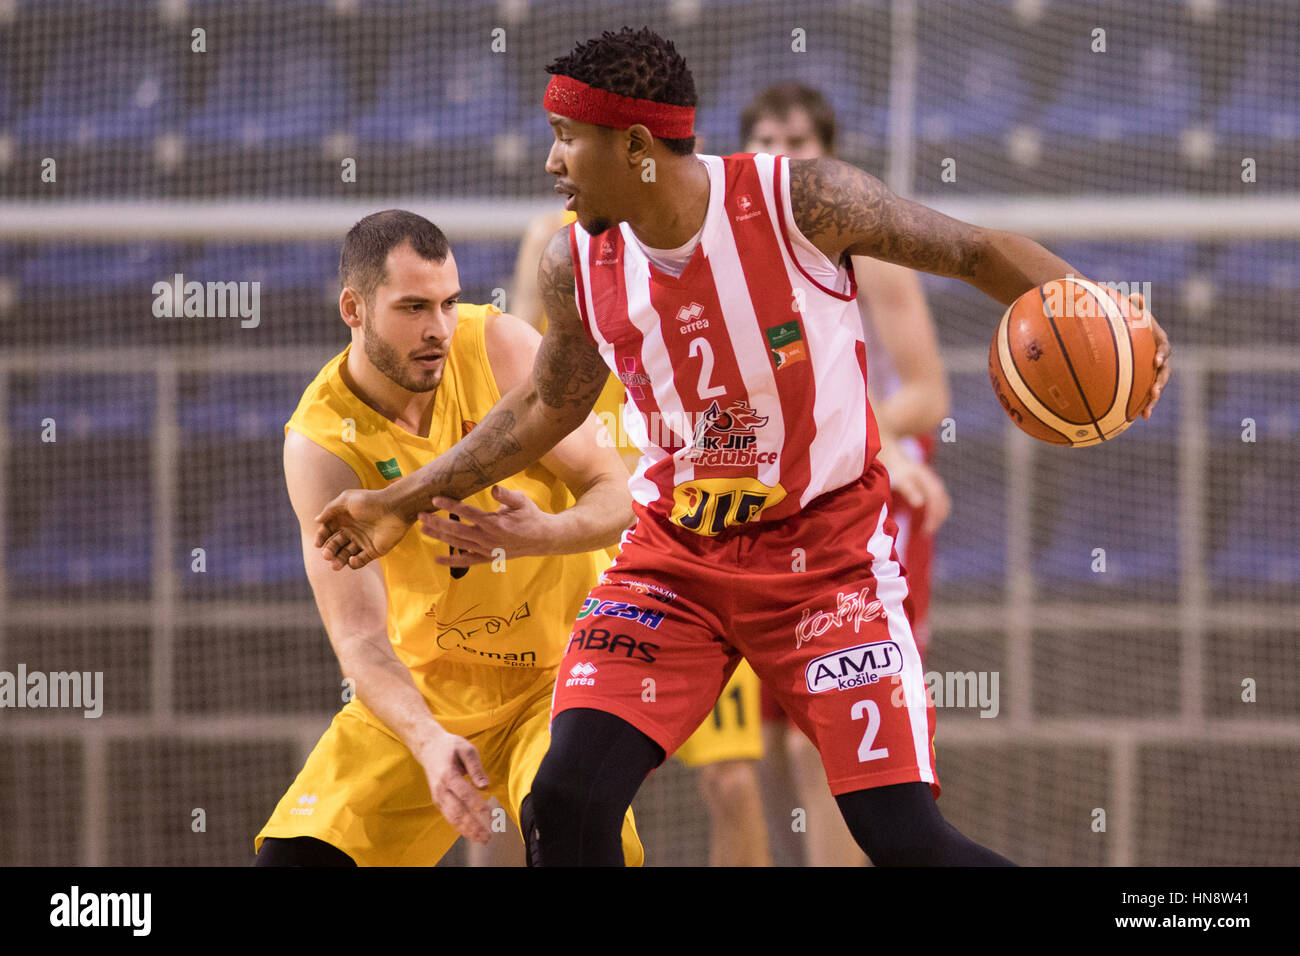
x=517 y=618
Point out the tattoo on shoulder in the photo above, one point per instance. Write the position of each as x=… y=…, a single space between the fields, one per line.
x=569 y=371
x=843 y=210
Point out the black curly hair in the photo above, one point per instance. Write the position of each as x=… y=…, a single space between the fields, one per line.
x=637 y=63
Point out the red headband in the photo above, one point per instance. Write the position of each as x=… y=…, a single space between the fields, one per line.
x=586 y=104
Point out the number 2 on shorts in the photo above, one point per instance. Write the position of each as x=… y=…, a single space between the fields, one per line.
x=865 y=751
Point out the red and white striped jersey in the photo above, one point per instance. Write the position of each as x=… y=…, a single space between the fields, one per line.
x=746 y=375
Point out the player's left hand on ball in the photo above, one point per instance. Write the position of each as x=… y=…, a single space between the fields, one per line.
x=518 y=528
x=1162 y=354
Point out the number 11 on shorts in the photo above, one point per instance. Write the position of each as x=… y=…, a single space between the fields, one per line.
x=872 y=712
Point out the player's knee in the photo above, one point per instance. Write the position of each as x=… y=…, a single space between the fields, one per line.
x=895 y=826
x=571 y=821
x=300 y=851
x=561 y=791
x=728 y=784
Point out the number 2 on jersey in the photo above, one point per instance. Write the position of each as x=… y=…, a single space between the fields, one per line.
x=865 y=750
x=701 y=347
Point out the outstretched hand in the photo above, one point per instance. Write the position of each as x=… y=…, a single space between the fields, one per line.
x=517 y=529
x=356 y=528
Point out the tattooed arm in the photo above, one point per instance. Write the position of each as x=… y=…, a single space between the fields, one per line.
x=529 y=421
x=844 y=211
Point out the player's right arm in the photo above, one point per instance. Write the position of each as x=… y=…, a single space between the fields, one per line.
x=530 y=420
x=354 y=609
x=844 y=211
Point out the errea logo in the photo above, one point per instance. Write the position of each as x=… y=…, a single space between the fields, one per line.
x=690 y=318
x=580 y=674
x=306 y=804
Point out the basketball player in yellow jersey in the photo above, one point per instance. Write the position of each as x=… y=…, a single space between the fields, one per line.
x=728 y=745
x=451 y=656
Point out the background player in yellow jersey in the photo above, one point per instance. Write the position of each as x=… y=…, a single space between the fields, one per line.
x=726 y=748
x=452 y=656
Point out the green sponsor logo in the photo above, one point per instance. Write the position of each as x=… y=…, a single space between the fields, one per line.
x=389 y=469
x=780 y=336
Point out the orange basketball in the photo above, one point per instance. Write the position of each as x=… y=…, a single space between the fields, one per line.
x=1072 y=362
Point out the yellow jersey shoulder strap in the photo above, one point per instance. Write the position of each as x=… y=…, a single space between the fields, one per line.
x=473 y=386
x=328 y=414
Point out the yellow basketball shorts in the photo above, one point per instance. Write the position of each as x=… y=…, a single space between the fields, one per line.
x=362 y=791
x=733 y=731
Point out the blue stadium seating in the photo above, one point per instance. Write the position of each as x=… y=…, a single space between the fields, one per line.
x=244 y=547
x=123 y=268
x=1166 y=261
x=444 y=96
x=11 y=261
x=968 y=89
x=28 y=7
x=484 y=265
x=272 y=89
x=970 y=547
x=1259 y=266
x=1135 y=528
x=1272 y=399
x=103 y=539
x=1261 y=539
x=84 y=406
x=98 y=92
x=302 y=267
x=974 y=408
x=255 y=7
x=244 y=406
x=239 y=555
x=1256 y=284
x=1128 y=94
x=1264 y=100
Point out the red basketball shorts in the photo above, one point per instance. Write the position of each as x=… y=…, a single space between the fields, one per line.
x=916 y=549
x=818 y=604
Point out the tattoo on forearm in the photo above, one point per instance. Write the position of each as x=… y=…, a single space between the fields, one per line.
x=476 y=461
x=843 y=210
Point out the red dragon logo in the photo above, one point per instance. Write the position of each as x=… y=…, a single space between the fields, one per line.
x=738 y=419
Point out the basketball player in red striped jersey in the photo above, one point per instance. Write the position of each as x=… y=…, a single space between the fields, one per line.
x=717 y=289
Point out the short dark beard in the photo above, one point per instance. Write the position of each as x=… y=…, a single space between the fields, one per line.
x=385 y=358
